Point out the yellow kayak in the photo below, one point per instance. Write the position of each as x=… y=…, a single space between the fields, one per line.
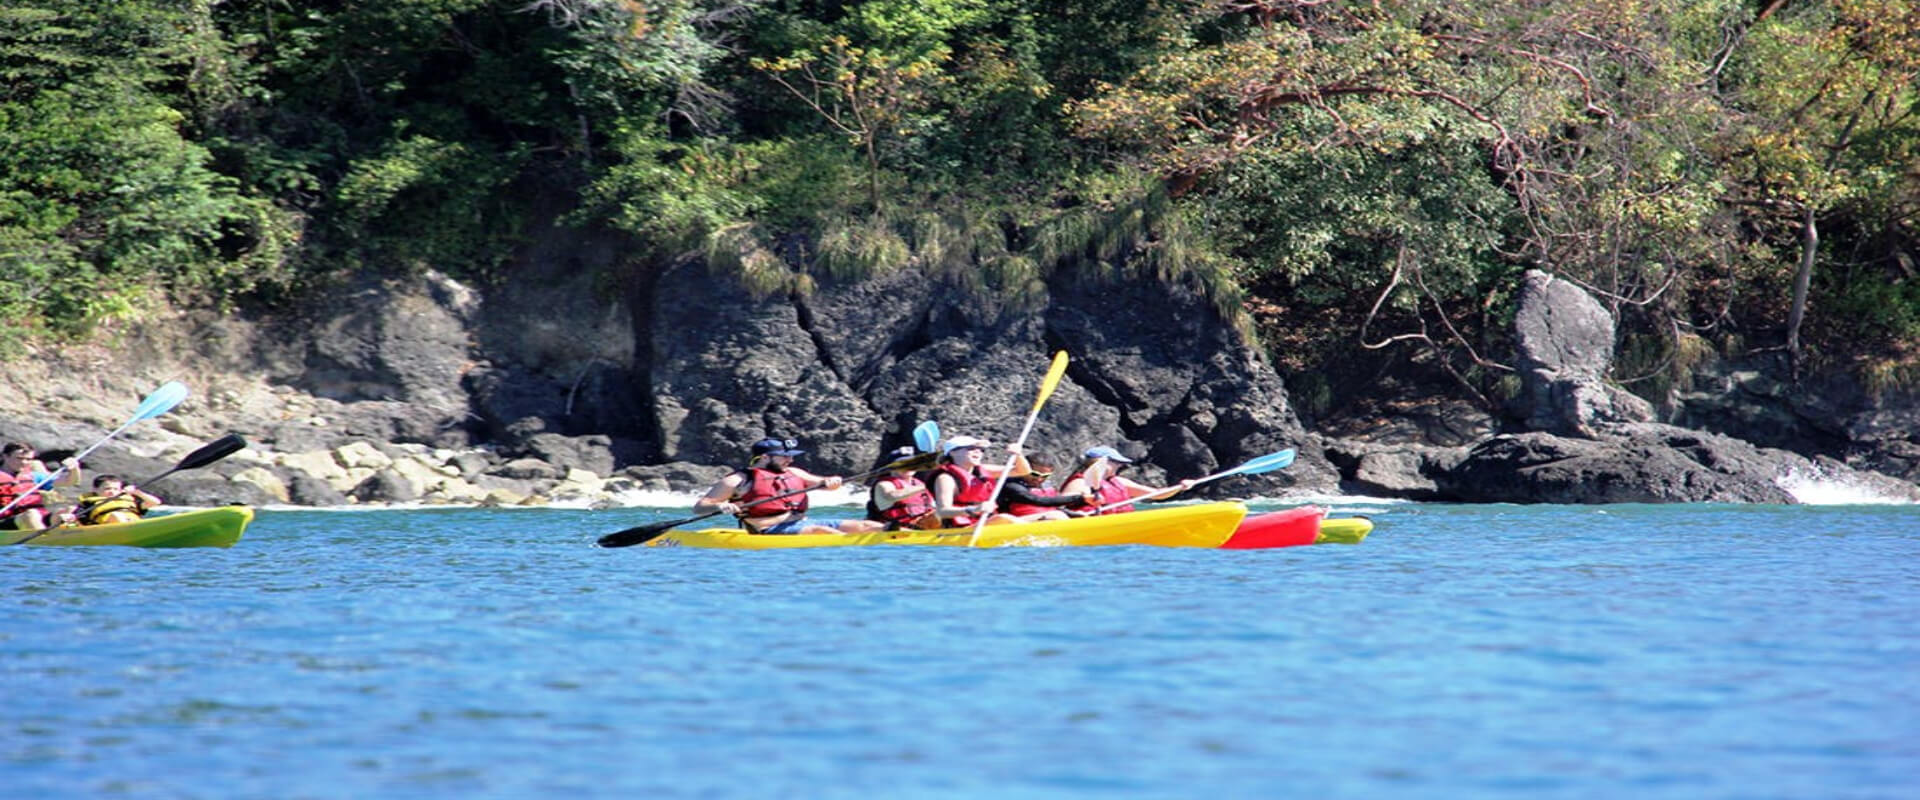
x=1343 y=530
x=1199 y=525
x=212 y=527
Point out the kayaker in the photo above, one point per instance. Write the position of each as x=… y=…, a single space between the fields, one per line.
x=751 y=493
x=1031 y=498
x=1099 y=475
x=901 y=500
x=963 y=482
x=20 y=471
x=114 y=500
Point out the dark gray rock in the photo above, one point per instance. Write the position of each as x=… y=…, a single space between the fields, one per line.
x=1647 y=463
x=560 y=342
x=1831 y=413
x=527 y=469
x=307 y=490
x=206 y=489
x=406 y=342
x=385 y=486
x=299 y=436
x=678 y=476
x=1185 y=384
x=728 y=370
x=1433 y=422
x=527 y=487
x=1564 y=340
x=591 y=453
x=472 y=462
x=1410 y=471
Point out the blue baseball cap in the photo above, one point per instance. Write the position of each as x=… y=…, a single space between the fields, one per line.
x=777 y=447
x=1107 y=453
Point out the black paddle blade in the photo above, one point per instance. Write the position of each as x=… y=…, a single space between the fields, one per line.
x=208 y=453
x=641 y=534
x=213 y=451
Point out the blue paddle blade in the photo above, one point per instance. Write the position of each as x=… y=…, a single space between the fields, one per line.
x=161 y=401
x=926 y=436
x=1266 y=463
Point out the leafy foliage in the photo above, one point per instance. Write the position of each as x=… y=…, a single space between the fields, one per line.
x=1720 y=171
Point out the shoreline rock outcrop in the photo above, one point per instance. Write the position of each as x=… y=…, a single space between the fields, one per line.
x=418 y=391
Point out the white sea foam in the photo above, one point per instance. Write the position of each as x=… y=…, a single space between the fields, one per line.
x=1824 y=490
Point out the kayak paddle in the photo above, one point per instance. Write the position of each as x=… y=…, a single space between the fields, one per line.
x=1047 y=384
x=645 y=533
x=1266 y=463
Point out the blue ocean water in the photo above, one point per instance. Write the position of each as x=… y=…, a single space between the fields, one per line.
x=1695 y=651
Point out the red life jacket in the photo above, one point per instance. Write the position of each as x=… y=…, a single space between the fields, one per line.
x=1108 y=492
x=969 y=488
x=904 y=512
x=762 y=484
x=1023 y=509
x=18 y=486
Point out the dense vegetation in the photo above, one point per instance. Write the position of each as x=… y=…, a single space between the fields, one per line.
x=1730 y=174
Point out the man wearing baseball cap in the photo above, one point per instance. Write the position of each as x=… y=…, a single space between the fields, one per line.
x=770 y=494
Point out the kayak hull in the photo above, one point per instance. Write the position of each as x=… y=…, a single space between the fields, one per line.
x=211 y=527
x=1199 y=525
x=1345 y=530
x=1297 y=526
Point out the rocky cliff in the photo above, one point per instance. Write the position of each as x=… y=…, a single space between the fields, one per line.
x=567 y=384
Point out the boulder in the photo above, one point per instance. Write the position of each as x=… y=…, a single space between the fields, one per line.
x=678 y=476
x=403 y=346
x=266 y=481
x=591 y=453
x=1410 y=471
x=527 y=469
x=307 y=490
x=1643 y=463
x=1565 y=345
x=385 y=486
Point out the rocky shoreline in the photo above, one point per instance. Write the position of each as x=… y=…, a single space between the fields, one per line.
x=421 y=392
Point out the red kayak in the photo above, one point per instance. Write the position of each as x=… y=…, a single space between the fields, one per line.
x=1294 y=527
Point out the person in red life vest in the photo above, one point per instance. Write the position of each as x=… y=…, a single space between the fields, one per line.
x=963 y=482
x=1031 y=498
x=1099 y=475
x=767 y=495
x=20 y=470
x=901 y=500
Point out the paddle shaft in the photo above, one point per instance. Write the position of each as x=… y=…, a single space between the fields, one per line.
x=1266 y=463
x=1047 y=383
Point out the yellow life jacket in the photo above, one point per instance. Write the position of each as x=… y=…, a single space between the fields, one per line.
x=97 y=510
